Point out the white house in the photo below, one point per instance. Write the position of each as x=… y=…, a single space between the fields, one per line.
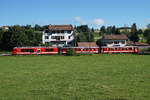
x=58 y=35
x=115 y=40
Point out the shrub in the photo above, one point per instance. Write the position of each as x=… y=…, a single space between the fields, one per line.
x=70 y=52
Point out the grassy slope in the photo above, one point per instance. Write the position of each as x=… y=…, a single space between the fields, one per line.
x=97 y=77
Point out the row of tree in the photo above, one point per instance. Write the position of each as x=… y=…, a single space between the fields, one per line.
x=85 y=34
x=132 y=34
x=147 y=34
x=19 y=36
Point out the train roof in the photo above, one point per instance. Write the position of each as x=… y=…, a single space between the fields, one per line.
x=75 y=47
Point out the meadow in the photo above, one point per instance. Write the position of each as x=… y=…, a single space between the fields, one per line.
x=96 y=77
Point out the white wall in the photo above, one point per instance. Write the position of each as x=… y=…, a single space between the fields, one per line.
x=107 y=42
x=66 y=37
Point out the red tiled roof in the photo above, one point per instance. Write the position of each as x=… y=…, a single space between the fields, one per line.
x=87 y=44
x=61 y=28
x=115 y=37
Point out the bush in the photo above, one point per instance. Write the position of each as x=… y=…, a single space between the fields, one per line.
x=70 y=52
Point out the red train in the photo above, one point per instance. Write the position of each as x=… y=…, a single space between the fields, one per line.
x=56 y=50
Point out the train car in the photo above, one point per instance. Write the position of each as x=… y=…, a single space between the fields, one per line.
x=59 y=50
x=94 y=50
x=34 y=50
x=127 y=49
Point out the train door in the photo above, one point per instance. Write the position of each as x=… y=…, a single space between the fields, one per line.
x=59 y=50
x=38 y=51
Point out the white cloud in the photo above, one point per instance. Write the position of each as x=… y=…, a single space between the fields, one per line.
x=97 y=21
x=81 y=21
x=148 y=20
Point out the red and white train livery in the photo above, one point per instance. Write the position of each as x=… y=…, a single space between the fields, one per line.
x=56 y=50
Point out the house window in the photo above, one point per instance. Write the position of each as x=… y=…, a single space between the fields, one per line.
x=116 y=42
x=53 y=32
x=46 y=31
x=58 y=32
x=110 y=42
x=53 y=37
x=46 y=37
x=62 y=37
x=69 y=32
x=62 y=31
x=123 y=42
x=69 y=37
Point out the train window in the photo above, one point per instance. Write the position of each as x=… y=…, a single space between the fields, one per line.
x=26 y=50
x=31 y=50
x=22 y=50
x=79 y=49
x=48 y=50
x=130 y=48
x=123 y=48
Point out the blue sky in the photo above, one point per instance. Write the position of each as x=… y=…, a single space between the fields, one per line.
x=95 y=13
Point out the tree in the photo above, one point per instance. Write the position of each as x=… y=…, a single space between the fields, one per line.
x=37 y=27
x=148 y=39
x=83 y=28
x=92 y=30
x=28 y=27
x=1 y=36
x=85 y=37
x=117 y=31
x=102 y=30
x=134 y=33
x=140 y=31
x=12 y=39
x=84 y=34
x=18 y=36
x=99 y=42
x=109 y=30
x=146 y=33
x=148 y=26
x=113 y=30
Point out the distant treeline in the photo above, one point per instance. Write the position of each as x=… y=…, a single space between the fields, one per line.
x=17 y=36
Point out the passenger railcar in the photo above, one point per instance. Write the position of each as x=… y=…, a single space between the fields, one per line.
x=93 y=50
x=57 y=50
x=127 y=49
x=34 y=50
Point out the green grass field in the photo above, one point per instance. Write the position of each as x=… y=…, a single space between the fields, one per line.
x=97 y=77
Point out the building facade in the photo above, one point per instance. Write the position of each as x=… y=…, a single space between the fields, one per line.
x=115 y=40
x=58 y=35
